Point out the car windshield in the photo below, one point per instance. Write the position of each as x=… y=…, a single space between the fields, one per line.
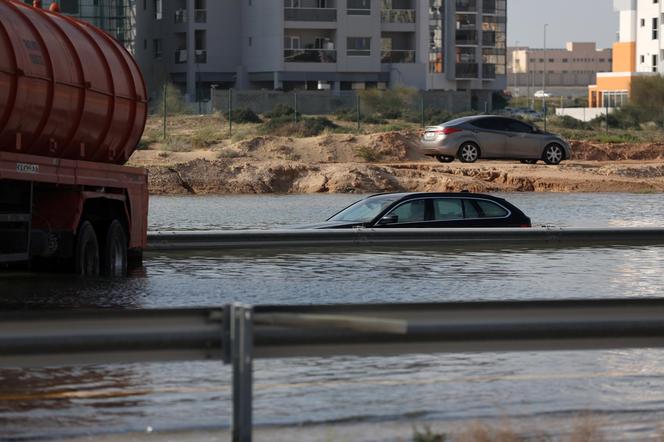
x=365 y=210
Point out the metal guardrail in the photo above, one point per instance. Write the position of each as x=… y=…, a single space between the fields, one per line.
x=387 y=237
x=238 y=334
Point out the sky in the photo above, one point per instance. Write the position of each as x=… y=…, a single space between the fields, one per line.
x=568 y=20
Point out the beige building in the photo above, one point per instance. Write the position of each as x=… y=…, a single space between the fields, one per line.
x=576 y=65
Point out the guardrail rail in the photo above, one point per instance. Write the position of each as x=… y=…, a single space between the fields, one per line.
x=237 y=334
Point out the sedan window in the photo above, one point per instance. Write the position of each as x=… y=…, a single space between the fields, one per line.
x=517 y=126
x=471 y=209
x=447 y=208
x=365 y=210
x=492 y=210
x=490 y=124
x=411 y=212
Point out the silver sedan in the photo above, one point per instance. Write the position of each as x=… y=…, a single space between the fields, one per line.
x=488 y=136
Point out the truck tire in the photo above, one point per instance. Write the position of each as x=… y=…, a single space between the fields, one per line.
x=86 y=254
x=114 y=255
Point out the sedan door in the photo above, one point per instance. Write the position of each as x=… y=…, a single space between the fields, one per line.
x=491 y=135
x=523 y=143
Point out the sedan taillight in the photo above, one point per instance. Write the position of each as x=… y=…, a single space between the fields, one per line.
x=451 y=130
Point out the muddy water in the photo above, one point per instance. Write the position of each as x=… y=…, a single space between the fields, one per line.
x=624 y=387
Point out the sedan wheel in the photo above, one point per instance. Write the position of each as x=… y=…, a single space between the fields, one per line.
x=553 y=154
x=444 y=158
x=469 y=153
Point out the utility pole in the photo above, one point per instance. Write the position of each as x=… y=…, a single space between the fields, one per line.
x=544 y=77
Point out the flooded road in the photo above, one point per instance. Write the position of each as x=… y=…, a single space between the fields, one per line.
x=90 y=400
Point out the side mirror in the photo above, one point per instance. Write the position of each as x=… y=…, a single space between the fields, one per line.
x=388 y=219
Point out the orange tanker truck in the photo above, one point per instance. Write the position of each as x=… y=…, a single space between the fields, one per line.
x=72 y=110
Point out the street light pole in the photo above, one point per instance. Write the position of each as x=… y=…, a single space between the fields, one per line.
x=514 y=64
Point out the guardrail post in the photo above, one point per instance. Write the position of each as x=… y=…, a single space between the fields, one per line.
x=242 y=338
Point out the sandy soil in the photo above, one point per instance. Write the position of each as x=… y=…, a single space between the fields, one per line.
x=389 y=162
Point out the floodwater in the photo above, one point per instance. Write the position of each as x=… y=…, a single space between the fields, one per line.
x=624 y=387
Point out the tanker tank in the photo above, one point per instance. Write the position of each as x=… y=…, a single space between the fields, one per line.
x=68 y=90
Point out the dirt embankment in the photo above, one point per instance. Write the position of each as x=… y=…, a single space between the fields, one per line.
x=390 y=162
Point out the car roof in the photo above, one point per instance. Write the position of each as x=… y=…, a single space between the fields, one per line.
x=412 y=195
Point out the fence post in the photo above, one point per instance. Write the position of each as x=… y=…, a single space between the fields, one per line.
x=422 y=109
x=164 y=106
x=607 y=116
x=357 y=105
x=242 y=337
x=230 y=112
x=295 y=106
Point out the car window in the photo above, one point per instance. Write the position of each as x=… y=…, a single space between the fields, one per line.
x=411 y=212
x=490 y=124
x=447 y=208
x=471 y=209
x=492 y=210
x=365 y=210
x=518 y=126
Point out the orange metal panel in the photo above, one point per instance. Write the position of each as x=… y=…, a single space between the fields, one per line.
x=67 y=89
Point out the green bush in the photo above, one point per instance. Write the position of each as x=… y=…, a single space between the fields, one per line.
x=368 y=154
x=432 y=116
x=567 y=122
x=174 y=101
x=306 y=127
x=281 y=110
x=242 y=116
x=350 y=115
x=387 y=102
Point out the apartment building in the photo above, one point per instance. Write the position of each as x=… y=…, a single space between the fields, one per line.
x=323 y=44
x=576 y=65
x=114 y=16
x=638 y=52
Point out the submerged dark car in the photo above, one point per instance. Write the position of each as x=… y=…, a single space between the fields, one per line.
x=427 y=210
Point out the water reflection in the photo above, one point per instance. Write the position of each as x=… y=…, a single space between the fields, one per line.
x=624 y=385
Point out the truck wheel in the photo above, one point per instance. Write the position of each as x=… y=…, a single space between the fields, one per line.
x=114 y=257
x=86 y=255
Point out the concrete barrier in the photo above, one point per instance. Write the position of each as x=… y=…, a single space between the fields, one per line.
x=428 y=238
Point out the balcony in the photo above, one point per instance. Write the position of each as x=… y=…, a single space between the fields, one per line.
x=488 y=38
x=467 y=70
x=201 y=56
x=489 y=71
x=181 y=56
x=466 y=5
x=180 y=16
x=466 y=37
x=310 y=14
x=398 y=16
x=397 y=56
x=200 y=16
x=310 y=55
x=489 y=6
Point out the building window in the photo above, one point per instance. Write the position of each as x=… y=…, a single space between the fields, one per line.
x=643 y=22
x=358 y=46
x=358 y=7
x=158 y=12
x=655 y=30
x=643 y=59
x=200 y=46
x=69 y=6
x=654 y=63
x=157 y=48
x=565 y=60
